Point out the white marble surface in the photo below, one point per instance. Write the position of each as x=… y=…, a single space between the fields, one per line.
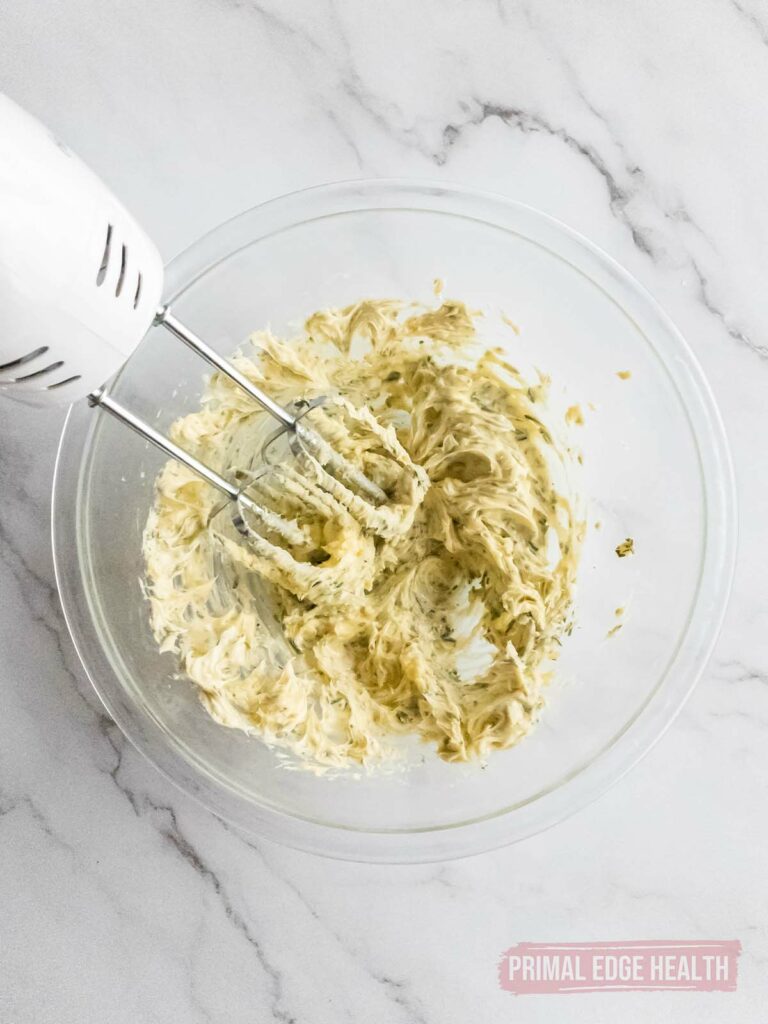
x=642 y=123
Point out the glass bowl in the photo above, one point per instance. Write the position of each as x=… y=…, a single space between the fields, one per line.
x=656 y=468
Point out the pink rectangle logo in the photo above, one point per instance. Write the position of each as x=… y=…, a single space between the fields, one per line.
x=694 y=965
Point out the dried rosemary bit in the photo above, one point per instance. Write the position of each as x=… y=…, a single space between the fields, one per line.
x=627 y=547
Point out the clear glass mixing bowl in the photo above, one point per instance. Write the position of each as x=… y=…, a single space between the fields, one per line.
x=656 y=468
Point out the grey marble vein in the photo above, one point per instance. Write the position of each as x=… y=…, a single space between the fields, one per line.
x=752 y=20
x=171 y=831
x=619 y=197
x=704 y=291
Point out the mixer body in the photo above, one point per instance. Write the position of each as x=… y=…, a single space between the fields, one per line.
x=80 y=281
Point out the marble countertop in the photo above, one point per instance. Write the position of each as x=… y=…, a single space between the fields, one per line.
x=643 y=124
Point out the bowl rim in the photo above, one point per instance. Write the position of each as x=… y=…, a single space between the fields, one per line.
x=589 y=781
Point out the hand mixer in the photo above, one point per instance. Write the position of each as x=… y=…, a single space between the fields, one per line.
x=80 y=286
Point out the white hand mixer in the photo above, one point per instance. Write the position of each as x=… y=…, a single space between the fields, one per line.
x=80 y=284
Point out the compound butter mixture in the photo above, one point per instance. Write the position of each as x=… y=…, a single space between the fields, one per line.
x=437 y=617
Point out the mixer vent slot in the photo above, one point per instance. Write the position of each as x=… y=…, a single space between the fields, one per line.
x=137 y=296
x=41 y=373
x=24 y=359
x=121 y=278
x=62 y=383
x=105 y=257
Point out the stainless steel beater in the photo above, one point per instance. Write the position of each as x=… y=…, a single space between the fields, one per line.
x=80 y=285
